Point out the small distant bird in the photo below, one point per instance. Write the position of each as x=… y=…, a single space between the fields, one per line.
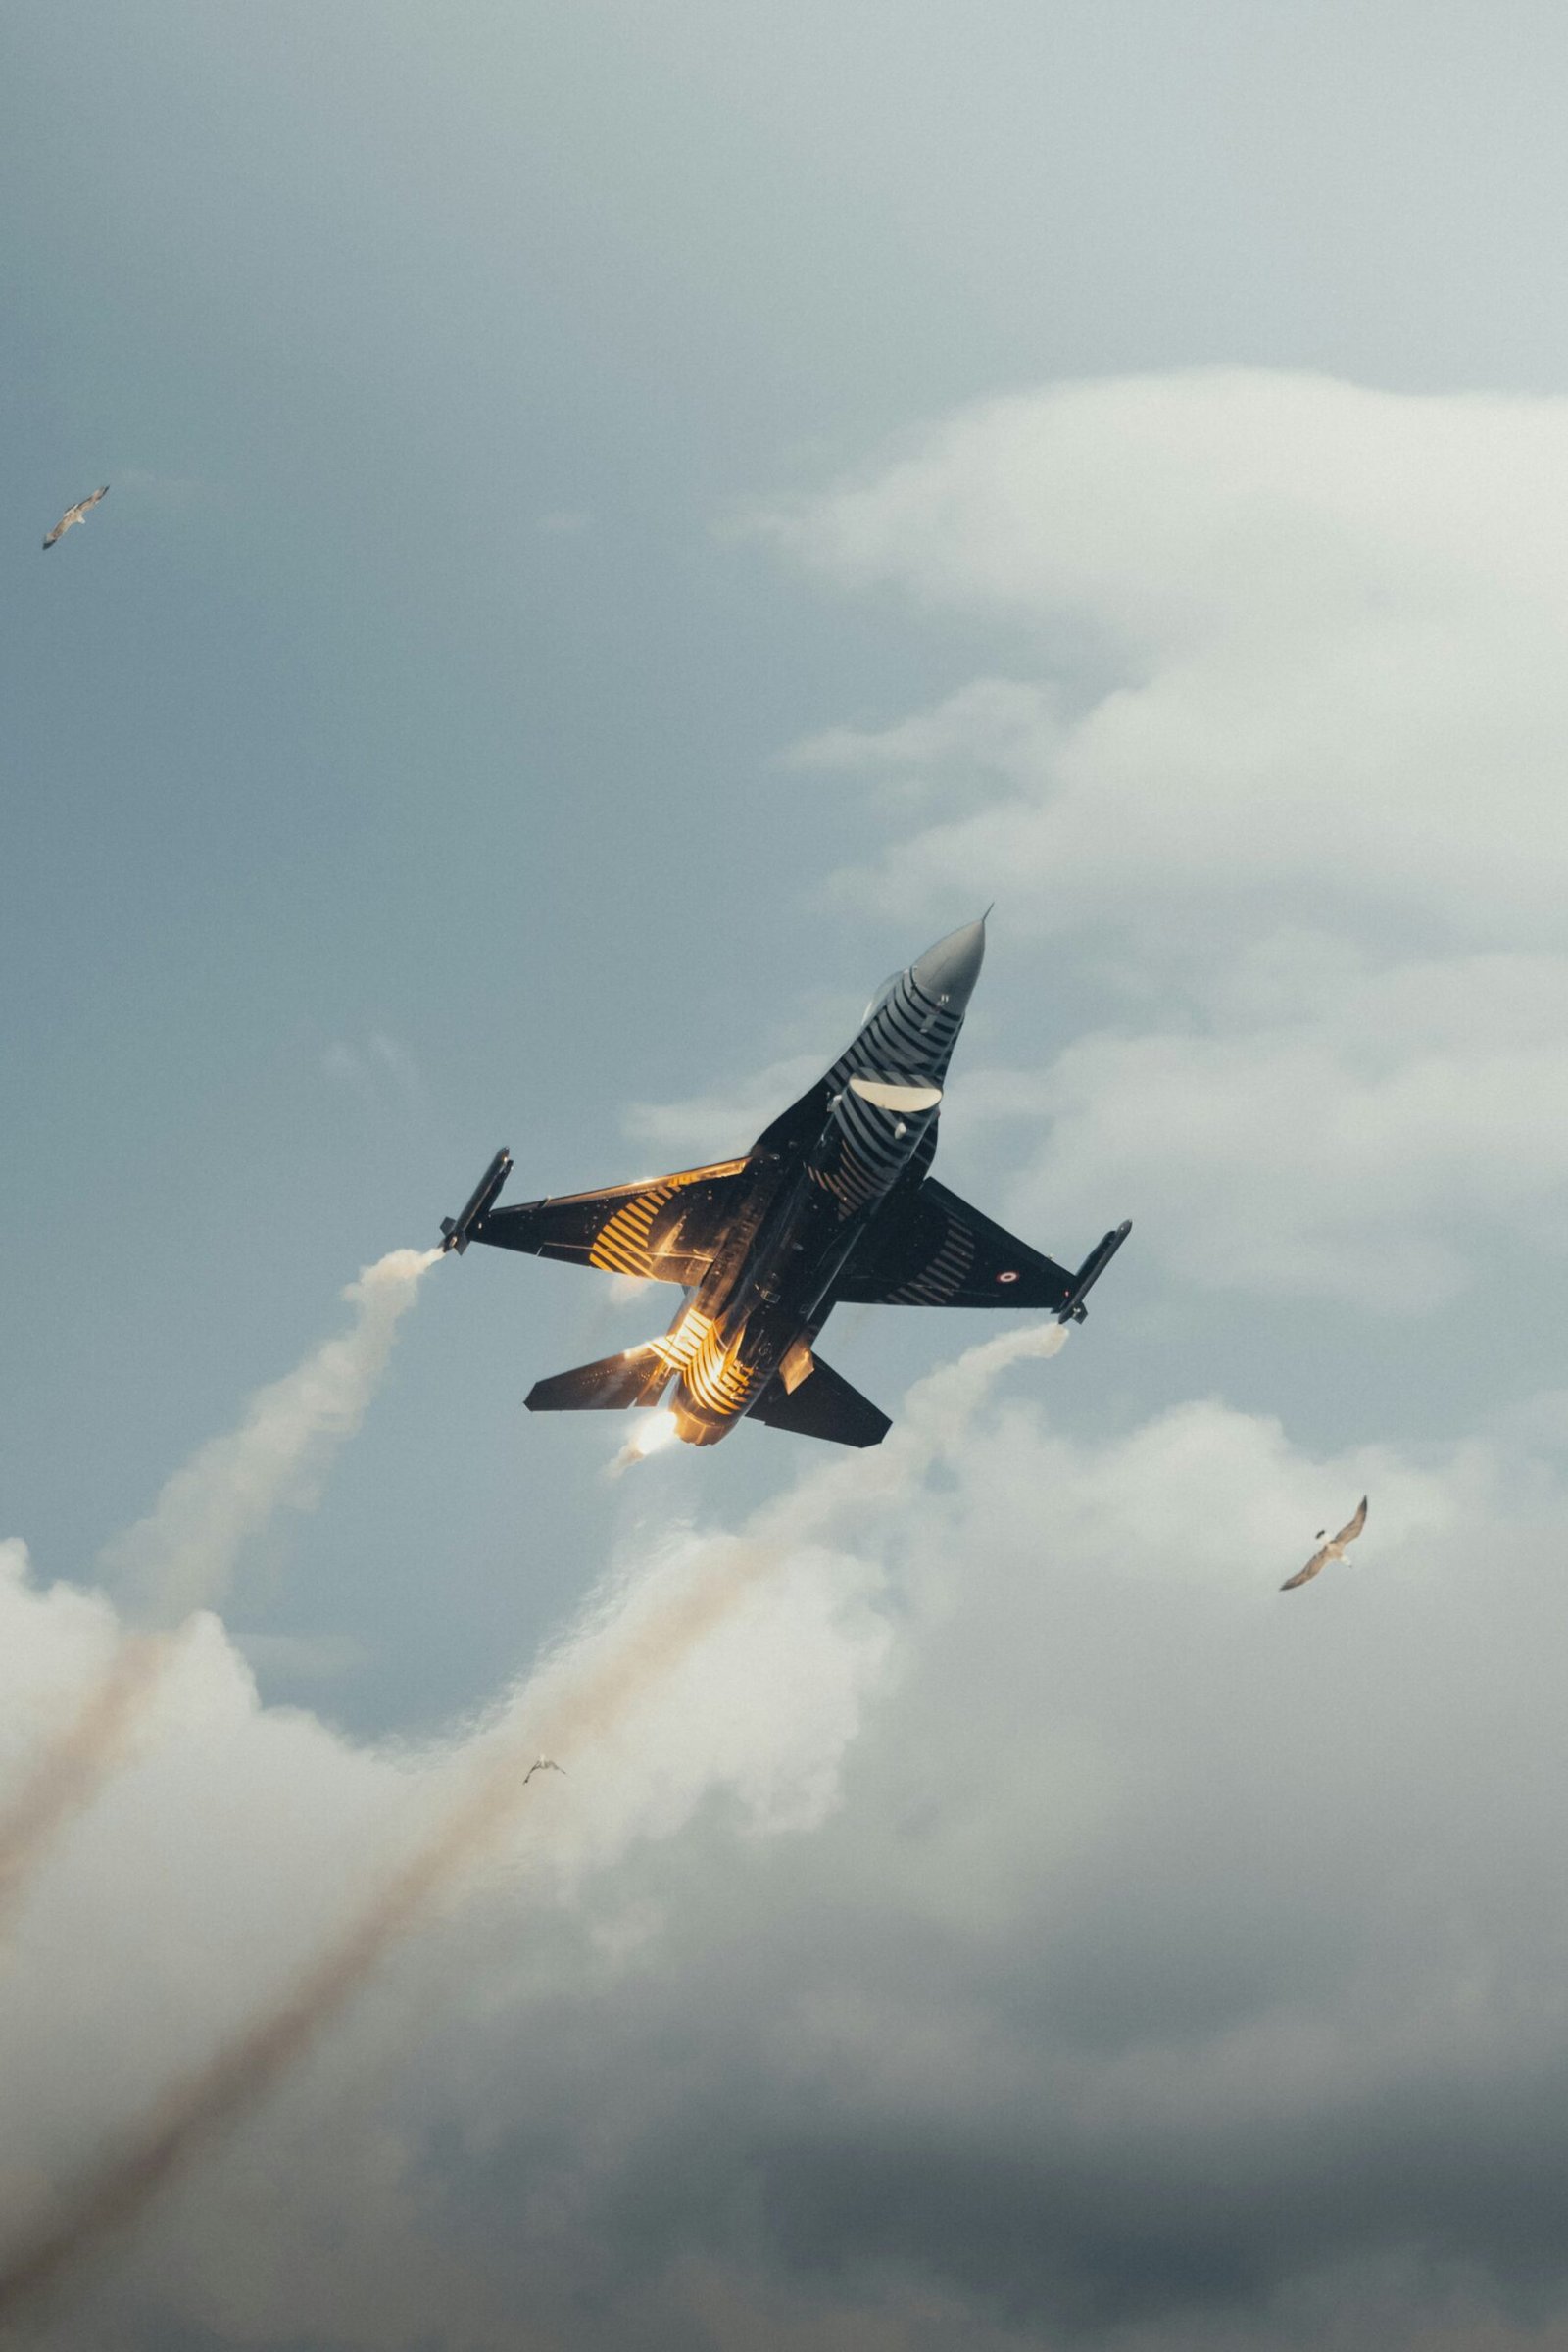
x=76 y=514
x=1333 y=1551
x=543 y=1764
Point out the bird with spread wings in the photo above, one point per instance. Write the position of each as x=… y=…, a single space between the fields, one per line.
x=76 y=514
x=1334 y=1549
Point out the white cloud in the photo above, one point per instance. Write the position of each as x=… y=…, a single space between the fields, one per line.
x=1108 y=1869
x=718 y=1663
x=1302 y=808
x=993 y=736
x=723 y=1123
x=1333 y=623
x=1330 y=1129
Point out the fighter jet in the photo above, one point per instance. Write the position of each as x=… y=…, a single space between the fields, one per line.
x=1334 y=1549
x=76 y=514
x=834 y=1204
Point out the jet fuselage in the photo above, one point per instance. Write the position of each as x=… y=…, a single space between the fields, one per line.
x=770 y=1286
x=833 y=1201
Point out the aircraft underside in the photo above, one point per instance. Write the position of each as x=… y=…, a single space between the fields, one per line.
x=833 y=1205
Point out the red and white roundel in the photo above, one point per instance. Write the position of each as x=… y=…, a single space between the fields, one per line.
x=1008 y=1277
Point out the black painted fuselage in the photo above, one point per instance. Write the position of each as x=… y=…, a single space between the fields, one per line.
x=833 y=1203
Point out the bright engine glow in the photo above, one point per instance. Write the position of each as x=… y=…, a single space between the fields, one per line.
x=657 y=1431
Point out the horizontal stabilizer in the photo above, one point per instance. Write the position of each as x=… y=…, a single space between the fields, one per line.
x=637 y=1376
x=822 y=1405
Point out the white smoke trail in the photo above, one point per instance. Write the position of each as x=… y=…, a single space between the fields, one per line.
x=181 y=1556
x=631 y=1640
x=937 y=1412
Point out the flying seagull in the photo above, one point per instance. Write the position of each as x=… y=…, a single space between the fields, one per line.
x=543 y=1764
x=1333 y=1551
x=76 y=514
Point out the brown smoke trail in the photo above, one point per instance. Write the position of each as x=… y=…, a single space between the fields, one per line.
x=183 y=1555
x=581 y=1693
x=74 y=1766
x=489 y=1797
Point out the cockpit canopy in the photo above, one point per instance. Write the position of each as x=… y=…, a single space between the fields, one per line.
x=905 y=1101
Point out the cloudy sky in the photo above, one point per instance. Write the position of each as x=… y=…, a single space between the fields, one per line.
x=628 y=521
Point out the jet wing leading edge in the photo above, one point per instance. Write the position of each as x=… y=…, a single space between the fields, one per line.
x=664 y=1231
x=933 y=1250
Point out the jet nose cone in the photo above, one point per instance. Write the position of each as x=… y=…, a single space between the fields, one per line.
x=949 y=970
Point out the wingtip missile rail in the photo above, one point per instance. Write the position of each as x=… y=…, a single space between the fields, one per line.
x=1073 y=1308
x=457 y=1232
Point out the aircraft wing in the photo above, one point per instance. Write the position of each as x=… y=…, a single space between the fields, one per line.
x=662 y=1230
x=930 y=1249
x=794 y=1129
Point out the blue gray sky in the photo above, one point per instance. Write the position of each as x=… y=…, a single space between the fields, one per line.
x=626 y=522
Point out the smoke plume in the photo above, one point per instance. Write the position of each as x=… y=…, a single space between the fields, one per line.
x=74 y=1765
x=628 y=1642
x=181 y=1556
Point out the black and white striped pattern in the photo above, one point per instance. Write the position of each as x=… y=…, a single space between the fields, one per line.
x=715 y=1379
x=909 y=1037
x=944 y=1276
x=908 y=1041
